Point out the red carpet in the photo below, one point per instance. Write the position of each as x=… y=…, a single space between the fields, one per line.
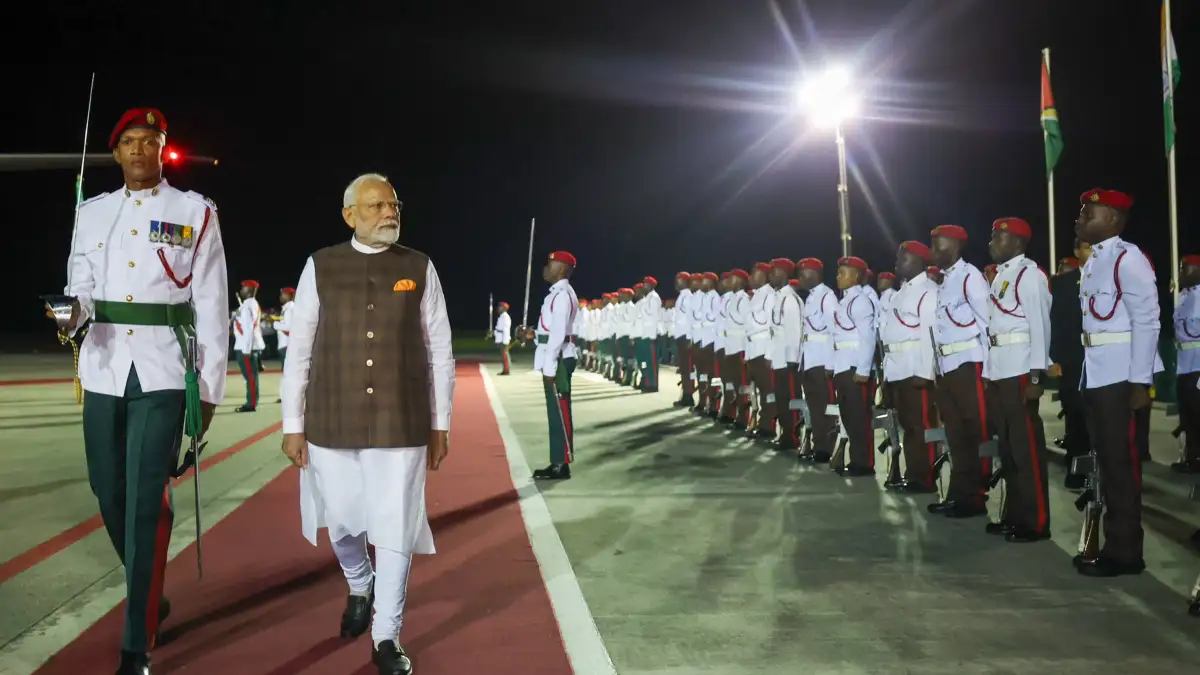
x=270 y=603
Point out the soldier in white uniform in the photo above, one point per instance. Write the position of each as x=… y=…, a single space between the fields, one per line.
x=760 y=325
x=649 y=318
x=908 y=365
x=283 y=329
x=555 y=359
x=1119 y=298
x=816 y=357
x=721 y=329
x=854 y=363
x=1187 y=369
x=704 y=329
x=1019 y=354
x=735 y=408
x=626 y=324
x=962 y=338
x=367 y=397
x=788 y=314
x=147 y=269
x=246 y=336
x=503 y=335
x=681 y=331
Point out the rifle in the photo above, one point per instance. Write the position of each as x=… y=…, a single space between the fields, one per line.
x=887 y=420
x=1091 y=503
x=838 y=461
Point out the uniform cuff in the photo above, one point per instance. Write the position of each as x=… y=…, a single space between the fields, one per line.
x=293 y=425
x=440 y=422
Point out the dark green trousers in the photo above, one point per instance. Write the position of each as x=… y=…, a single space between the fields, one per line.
x=559 y=415
x=647 y=353
x=282 y=358
x=628 y=354
x=248 y=364
x=132 y=444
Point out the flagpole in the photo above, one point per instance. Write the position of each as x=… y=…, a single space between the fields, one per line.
x=1173 y=198
x=528 y=273
x=1050 y=188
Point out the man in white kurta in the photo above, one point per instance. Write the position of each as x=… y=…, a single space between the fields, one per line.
x=365 y=493
x=246 y=337
x=283 y=329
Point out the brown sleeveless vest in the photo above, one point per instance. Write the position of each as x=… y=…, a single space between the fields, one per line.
x=368 y=385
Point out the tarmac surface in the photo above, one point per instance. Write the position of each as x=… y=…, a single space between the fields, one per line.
x=673 y=550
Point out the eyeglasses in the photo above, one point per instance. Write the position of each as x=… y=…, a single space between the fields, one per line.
x=376 y=207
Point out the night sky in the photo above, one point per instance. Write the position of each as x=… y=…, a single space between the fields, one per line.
x=645 y=136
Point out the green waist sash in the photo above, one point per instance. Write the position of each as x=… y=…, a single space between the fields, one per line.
x=181 y=319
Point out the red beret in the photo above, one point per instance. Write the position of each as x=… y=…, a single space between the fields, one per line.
x=853 y=261
x=887 y=275
x=637 y=286
x=683 y=275
x=766 y=267
x=916 y=248
x=949 y=231
x=870 y=273
x=725 y=275
x=503 y=305
x=250 y=283
x=932 y=269
x=740 y=273
x=1013 y=226
x=810 y=264
x=563 y=256
x=712 y=276
x=991 y=268
x=793 y=282
x=138 y=118
x=650 y=280
x=1190 y=260
x=625 y=290
x=784 y=264
x=696 y=276
x=289 y=290
x=1117 y=200
x=1069 y=261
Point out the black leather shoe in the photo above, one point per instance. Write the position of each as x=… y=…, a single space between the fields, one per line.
x=1019 y=536
x=244 y=408
x=553 y=472
x=909 y=487
x=937 y=508
x=1000 y=528
x=134 y=663
x=856 y=471
x=164 y=609
x=357 y=617
x=390 y=659
x=1104 y=566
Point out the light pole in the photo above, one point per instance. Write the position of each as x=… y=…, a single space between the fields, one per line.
x=829 y=101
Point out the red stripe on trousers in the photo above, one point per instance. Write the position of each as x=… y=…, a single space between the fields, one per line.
x=1034 y=457
x=251 y=374
x=566 y=417
x=652 y=365
x=162 y=540
x=985 y=463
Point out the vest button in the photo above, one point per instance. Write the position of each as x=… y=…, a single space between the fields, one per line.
x=370 y=307
x=370 y=334
x=370 y=390
x=370 y=362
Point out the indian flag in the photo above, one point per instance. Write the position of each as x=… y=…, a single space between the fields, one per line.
x=1051 y=131
x=1170 y=75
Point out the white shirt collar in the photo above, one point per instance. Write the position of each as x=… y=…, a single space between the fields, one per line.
x=363 y=248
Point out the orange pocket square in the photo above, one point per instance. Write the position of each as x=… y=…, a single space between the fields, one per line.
x=405 y=285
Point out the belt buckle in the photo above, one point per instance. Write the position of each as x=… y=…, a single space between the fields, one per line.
x=993 y=340
x=1087 y=340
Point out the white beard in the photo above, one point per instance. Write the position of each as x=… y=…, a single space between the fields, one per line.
x=380 y=237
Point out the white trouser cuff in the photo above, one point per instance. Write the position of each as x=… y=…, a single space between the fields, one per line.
x=351 y=552
x=391 y=590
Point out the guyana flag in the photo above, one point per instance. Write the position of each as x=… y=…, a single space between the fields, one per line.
x=1170 y=76
x=1050 y=129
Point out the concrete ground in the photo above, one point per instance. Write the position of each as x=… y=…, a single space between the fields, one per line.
x=695 y=554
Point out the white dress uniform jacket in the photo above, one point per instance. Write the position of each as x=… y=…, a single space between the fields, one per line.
x=760 y=322
x=283 y=327
x=962 y=316
x=905 y=330
x=246 y=326
x=555 y=322
x=788 y=333
x=503 y=332
x=854 y=333
x=380 y=491
x=817 y=350
x=722 y=324
x=1019 y=325
x=649 y=318
x=683 y=314
x=737 y=308
x=1119 y=299
x=114 y=260
x=1187 y=330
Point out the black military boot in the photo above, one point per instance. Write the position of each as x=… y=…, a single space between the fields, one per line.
x=134 y=663
x=390 y=659
x=357 y=617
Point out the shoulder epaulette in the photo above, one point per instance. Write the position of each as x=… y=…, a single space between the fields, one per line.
x=92 y=199
x=190 y=194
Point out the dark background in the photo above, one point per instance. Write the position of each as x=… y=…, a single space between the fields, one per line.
x=645 y=136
